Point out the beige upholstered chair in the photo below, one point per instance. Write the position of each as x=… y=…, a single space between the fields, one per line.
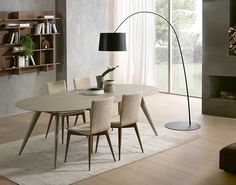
x=82 y=83
x=100 y=123
x=59 y=87
x=128 y=117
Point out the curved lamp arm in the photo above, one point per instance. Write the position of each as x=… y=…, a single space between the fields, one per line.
x=180 y=50
x=116 y=42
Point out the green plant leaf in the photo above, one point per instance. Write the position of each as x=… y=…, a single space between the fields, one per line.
x=27 y=43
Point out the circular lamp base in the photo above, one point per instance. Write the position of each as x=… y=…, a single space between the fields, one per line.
x=182 y=126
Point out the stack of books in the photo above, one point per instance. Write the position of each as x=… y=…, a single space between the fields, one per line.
x=45 y=28
x=14 y=38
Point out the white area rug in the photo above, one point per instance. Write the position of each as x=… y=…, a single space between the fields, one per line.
x=35 y=165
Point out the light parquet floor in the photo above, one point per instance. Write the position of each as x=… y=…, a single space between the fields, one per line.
x=193 y=163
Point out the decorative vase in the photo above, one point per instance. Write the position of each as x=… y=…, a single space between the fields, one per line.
x=109 y=86
x=100 y=81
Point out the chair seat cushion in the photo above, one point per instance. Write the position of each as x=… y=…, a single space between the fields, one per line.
x=228 y=158
x=81 y=129
x=115 y=124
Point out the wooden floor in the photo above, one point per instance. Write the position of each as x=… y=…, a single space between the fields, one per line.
x=194 y=163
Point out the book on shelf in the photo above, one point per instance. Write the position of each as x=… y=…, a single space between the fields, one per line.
x=50 y=28
x=16 y=39
x=20 y=61
x=38 y=28
x=48 y=16
x=54 y=28
x=47 y=28
x=12 y=38
x=24 y=25
x=42 y=28
x=12 y=25
x=32 y=60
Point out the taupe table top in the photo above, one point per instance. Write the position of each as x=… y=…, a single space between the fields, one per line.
x=76 y=100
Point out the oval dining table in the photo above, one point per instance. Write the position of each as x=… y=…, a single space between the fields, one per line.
x=77 y=100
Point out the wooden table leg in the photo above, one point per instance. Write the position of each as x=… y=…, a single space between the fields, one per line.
x=56 y=138
x=30 y=129
x=144 y=107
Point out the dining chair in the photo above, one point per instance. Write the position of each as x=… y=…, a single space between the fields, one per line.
x=129 y=112
x=81 y=83
x=101 y=111
x=59 y=87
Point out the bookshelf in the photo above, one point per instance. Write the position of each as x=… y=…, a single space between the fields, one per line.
x=41 y=27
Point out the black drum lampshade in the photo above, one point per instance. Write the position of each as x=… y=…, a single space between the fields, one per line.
x=112 y=42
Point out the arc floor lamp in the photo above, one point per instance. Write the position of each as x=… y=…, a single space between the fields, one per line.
x=116 y=41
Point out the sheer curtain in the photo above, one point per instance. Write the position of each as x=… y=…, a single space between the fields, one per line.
x=137 y=64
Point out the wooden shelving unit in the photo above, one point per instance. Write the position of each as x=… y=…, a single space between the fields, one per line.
x=44 y=56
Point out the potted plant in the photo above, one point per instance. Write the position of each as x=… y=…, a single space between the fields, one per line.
x=100 y=78
x=27 y=43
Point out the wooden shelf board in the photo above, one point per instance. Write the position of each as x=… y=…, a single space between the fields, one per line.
x=39 y=19
x=17 y=27
x=46 y=34
x=30 y=19
x=47 y=49
x=10 y=19
x=36 y=66
x=9 y=45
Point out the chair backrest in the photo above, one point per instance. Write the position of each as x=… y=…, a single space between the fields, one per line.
x=56 y=87
x=82 y=83
x=130 y=108
x=101 y=115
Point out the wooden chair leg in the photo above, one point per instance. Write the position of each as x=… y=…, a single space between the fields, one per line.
x=89 y=150
x=62 y=129
x=67 y=145
x=96 y=149
x=119 y=140
x=68 y=121
x=138 y=136
x=76 y=119
x=84 y=118
x=110 y=145
x=49 y=124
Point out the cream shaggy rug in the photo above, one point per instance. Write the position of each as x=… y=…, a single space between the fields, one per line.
x=35 y=165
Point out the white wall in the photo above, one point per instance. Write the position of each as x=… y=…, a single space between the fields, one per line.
x=81 y=23
x=17 y=87
x=84 y=22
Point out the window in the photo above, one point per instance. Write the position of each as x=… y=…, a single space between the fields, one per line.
x=185 y=16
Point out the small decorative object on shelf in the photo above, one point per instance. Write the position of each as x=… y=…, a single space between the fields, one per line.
x=232 y=40
x=100 y=78
x=45 y=44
